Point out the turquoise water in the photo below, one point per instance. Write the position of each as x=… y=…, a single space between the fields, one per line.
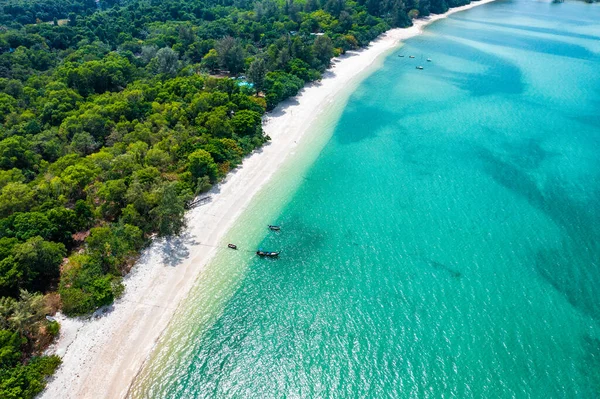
x=445 y=242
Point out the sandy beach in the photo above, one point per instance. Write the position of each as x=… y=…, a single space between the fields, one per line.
x=101 y=355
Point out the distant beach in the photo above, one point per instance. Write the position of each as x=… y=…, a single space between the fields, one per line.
x=101 y=356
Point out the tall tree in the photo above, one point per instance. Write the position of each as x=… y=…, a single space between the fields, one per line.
x=323 y=49
x=40 y=261
x=167 y=61
x=256 y=74
x=169 y=214
x=231 y=54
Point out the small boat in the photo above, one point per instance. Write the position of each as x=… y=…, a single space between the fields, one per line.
x=267 y=254
x=232 y=246
x=274 y=228
x=411 y=56
x=428 y=59
x=402 y=56
x=419 y=67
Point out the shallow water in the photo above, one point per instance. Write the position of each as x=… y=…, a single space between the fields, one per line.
x=445 y=242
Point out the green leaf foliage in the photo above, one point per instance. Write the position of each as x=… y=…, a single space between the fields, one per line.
x=25 y=381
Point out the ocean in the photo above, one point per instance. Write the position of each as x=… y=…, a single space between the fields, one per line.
x=440 y=233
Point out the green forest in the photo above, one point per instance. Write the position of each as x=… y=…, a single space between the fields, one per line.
x=114 y=115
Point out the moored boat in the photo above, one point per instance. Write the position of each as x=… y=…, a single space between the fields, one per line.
x=267 y=254
x=232 y=246
x=419 y=67
x=274 y=228
x=411 y=56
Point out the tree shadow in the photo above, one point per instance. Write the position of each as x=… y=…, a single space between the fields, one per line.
x=282 y=107
x=103 y=311
x=174 y=250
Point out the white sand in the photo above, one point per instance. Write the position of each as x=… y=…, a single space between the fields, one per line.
x=101 y=356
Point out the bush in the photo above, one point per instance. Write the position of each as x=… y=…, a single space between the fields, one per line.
x=101 y=290
x=201 y=164
x=76 y=302
x=53 y=328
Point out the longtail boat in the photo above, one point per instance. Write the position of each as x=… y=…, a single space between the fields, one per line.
x=268 y=254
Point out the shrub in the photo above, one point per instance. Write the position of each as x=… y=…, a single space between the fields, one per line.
x=76 y=302
x=53 y=328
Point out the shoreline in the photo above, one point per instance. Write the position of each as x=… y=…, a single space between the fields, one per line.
x=103 y=354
